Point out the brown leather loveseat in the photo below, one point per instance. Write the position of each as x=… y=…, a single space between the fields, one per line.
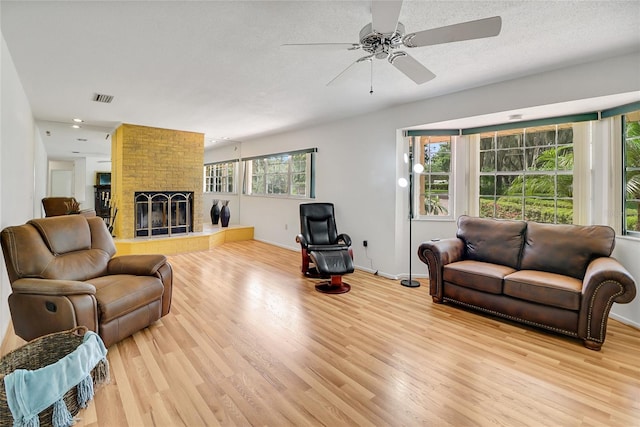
x=553 y=276
x=63 y=275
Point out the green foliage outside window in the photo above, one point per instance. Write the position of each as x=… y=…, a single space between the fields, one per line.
x=434 y=152
x=632 y=171
x=285 y=174
x=528 y=174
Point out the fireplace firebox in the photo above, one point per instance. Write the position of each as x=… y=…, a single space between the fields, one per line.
x=160 y=213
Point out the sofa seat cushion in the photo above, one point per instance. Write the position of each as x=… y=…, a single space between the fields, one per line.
x=482 y=276
x=544 y=288
x=120 y=294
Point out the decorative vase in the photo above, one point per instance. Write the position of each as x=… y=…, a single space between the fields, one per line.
x=225 y=214
x=215 y=212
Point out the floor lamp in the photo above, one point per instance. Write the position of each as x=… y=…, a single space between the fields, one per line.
x=402 y=182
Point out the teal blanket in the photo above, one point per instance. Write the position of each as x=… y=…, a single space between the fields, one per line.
x=29 y=392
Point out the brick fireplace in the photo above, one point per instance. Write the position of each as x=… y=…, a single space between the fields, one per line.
x=152 y=160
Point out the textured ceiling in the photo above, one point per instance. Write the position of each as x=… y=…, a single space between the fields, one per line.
x=217 y=67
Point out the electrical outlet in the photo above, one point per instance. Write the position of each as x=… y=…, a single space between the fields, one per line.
x=365 y=243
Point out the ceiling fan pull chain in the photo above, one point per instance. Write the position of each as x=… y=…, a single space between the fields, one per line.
x=371 y=89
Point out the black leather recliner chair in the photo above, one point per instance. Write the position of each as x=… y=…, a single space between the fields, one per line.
x=325 y=253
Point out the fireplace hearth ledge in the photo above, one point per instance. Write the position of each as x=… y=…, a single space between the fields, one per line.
x=210 y=238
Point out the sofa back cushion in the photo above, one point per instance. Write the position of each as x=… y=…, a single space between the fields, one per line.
x=498 y=241
x=565 y=249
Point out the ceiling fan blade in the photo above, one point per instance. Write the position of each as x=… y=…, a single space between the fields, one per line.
x=319 y=47
x=384 y=15
x=363 y=59
x=410 y=67
x=487 y=27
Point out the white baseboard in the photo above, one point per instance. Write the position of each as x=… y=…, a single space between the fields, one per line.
x=624 y=320
x=359 y=267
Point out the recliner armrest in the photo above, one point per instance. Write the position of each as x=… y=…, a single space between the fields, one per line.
x=345 y=238
x=51 y=287
x=436 y=254
x=302 y=240
x=138 y=265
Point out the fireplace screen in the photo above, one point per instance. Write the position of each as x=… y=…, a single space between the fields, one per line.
x=163 y=213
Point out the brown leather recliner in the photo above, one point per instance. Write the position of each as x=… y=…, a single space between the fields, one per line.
x=55 y=206
x=63 y=274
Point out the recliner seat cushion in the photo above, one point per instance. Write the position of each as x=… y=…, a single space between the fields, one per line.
x=544 y=288
x=333 y=262
x=497 y=241
x=482 y=276
x=120 y=294
x=565 y=249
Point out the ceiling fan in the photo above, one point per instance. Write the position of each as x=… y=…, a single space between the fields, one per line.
x=385 y=37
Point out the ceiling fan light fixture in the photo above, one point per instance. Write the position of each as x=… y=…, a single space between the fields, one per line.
x=384 y=35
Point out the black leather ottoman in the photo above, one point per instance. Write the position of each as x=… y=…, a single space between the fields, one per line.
x=334 y=263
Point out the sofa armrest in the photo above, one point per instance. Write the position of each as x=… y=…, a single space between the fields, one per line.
x=138 y=265
x=35 y=286
x=436 y=254
x=606 y=281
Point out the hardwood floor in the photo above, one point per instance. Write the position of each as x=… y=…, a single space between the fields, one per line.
x=250 y=342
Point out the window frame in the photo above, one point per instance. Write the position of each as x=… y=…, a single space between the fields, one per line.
x=417 y=147
x=271 y=174
x=209 y=177
x=625 y=169
x=520 y=149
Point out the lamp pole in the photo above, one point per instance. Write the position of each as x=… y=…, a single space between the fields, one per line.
x=410 y=283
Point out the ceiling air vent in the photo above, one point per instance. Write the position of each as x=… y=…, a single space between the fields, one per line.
x=98 y=97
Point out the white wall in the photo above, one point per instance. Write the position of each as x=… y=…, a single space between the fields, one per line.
x=359 y=161
x=21 y=150
x=626 y=251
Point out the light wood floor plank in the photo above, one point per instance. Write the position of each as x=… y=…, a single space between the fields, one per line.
x=250 y=342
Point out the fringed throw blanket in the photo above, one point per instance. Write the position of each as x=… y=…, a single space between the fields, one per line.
x=29 y=392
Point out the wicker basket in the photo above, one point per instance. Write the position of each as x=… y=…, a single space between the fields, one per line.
x=36 y=354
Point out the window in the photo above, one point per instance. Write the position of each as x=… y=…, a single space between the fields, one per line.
x=220 y=177
x=527 y=174
x=284 y=174
x=631 y=153
x=434 y=184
